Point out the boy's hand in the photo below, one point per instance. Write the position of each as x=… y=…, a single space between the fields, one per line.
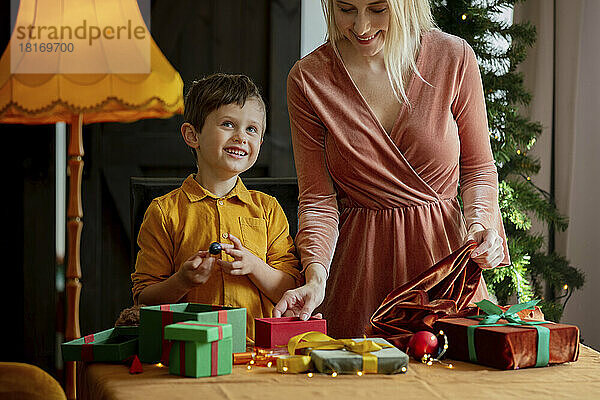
x=196 y=270
x=245 y=261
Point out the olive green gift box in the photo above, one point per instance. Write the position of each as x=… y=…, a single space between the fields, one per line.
x=154 y=347
x=199 y=349
x=389 y=360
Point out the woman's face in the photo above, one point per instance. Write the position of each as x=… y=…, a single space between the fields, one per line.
x=364 y=23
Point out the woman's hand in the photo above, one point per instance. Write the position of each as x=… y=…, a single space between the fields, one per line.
x=302 y=301
x=490 y=250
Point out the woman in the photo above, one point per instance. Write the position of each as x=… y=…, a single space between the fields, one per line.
x=387 y=118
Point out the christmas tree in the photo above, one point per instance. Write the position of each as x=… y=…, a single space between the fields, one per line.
x=534 y=272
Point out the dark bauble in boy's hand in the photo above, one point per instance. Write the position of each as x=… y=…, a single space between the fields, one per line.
x=215 y=248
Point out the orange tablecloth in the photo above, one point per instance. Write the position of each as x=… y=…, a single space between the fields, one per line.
x=579 y=380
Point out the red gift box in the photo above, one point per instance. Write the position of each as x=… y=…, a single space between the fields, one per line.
x=508 y=347
x=271 y=332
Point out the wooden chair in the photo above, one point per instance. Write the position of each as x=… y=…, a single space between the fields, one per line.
x=144 y=190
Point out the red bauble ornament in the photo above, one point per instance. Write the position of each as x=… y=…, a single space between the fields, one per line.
x=421 y=343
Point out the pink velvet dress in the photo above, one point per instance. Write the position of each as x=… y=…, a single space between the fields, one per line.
x=378 y=209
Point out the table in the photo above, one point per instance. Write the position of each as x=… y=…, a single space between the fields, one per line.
x=578 y=380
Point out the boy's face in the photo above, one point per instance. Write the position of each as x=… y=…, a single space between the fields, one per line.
x=230 y=139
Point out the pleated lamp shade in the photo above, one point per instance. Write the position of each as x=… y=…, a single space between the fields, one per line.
x=102 y=96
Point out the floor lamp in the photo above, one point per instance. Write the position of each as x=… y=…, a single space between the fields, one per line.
x=83 y=98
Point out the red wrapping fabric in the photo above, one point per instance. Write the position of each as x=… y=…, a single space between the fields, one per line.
x=442 y=290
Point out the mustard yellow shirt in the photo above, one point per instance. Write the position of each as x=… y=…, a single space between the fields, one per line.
x=190 y=218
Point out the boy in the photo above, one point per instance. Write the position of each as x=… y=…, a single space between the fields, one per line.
x=224 y=124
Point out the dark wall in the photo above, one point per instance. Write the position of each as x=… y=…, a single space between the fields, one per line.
x=28 y=279
x=260 y=38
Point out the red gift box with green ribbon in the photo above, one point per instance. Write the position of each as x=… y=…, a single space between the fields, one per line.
x=199 y=349
x=501 y=339
x=154 y=347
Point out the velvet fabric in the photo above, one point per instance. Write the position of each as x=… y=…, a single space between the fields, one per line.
x=443 y=290
x=508 y=347
x=440 y=298
x=21 y=381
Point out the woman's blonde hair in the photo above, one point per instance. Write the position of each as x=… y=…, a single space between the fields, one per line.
x=408 y=20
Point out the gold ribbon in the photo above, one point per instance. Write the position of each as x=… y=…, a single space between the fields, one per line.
x=320 y=341
x=293 y=364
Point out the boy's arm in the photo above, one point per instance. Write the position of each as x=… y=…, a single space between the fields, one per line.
x=164 y=292
x=195 y=271
x=281 y=271
x=154 y=279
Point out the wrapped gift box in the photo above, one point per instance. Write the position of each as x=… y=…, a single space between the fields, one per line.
x=115 y=344
x=389 y=360
x=153 y=319
x=271 y=332
x=508 y=347
x=199 y=349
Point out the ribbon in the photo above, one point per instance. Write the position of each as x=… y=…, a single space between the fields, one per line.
x=495 y=313
x=320 y=341
x=293 y=364
x=87 y=348
x=167 y=319
x=242 y=358
x=221 y=314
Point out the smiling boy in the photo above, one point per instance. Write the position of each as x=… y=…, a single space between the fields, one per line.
x=224 y=125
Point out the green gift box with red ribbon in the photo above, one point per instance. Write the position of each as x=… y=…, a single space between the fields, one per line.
x=111 y=345
x=154 y=347
x=199 y=349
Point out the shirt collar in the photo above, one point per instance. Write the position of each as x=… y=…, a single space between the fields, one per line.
x=195 y=191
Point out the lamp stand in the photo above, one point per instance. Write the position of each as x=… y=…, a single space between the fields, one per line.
x=74 y=226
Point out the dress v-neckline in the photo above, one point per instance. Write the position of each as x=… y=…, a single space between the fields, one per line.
x=403 y=106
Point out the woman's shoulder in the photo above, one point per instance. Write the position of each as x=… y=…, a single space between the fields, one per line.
x=442 y=45
x=317 y=61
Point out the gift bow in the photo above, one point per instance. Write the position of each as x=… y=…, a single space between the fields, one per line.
x=320 y=341
x=495 y=313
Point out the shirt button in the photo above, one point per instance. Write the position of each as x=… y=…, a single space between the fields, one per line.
x=225 y=235
x=220 y=202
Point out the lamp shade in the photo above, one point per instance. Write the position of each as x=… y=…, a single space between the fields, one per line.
x=64 y=90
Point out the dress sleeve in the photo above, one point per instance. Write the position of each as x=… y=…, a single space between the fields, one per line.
x=154 y=261
x=478 y=174
x=318 y=214
x=281 y=253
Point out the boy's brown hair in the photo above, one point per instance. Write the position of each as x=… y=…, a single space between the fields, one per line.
x=216 y=90
x=211 y=92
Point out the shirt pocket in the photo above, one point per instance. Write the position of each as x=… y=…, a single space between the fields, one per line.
x=254 y=235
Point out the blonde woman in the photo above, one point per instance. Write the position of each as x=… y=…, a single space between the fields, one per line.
x=387 y=119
